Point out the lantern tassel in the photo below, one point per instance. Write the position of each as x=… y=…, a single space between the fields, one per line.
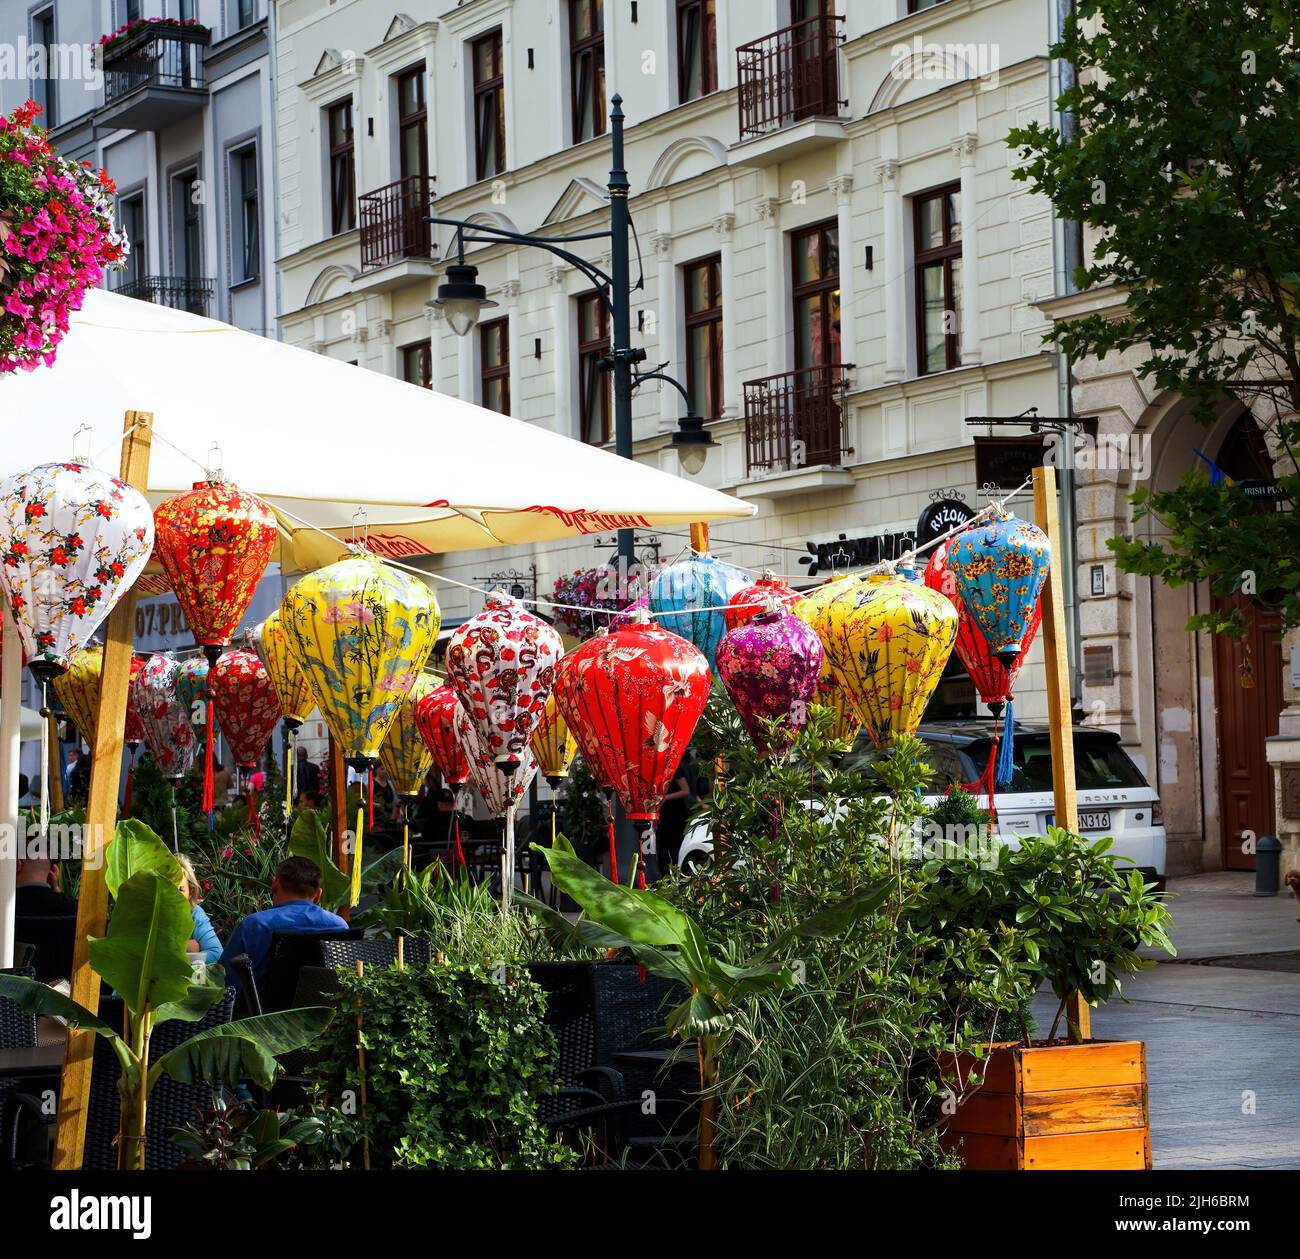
x=406 y=845
x=254 y=813
x=209 y=803
x=1007 y=746
x=288 y=776
x=356 y=857
x=508 y=860
x=176 y=839
x=370 y=797
x=613 y=848
x=455 y=823
x=45 y=762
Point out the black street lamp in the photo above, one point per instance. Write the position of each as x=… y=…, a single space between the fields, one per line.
x=463 y=298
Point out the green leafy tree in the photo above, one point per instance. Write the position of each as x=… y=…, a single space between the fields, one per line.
x=1182 y=152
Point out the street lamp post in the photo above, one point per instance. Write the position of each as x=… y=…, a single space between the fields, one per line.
x=462 y=297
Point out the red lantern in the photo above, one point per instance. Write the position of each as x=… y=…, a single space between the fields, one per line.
x=502 y=664
x=750 y=602
x=632 y=699
x=993 y=680
x=246 y=703
x=435 y=715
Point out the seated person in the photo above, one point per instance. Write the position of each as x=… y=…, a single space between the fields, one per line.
x=295 y=906
x=204 y=941
x=39 y=894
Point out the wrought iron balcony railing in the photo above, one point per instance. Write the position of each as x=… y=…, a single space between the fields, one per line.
x=189 y=293
x=790 y=75
x=155 y=54
x=392 y=222
x=796 y=419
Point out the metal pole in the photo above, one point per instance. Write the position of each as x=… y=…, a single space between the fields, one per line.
x=10 y=713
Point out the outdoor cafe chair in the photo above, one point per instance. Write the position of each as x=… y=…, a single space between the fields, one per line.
x=51 y=937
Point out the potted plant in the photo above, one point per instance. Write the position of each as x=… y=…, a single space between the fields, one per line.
x=1076 y=920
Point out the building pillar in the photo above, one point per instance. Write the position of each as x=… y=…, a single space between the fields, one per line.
x=895 y=272
x=437 y=320
x=964 y=146
x=841 y=186
x=510 y=291
x=768 y=210
x=732 y=402
x=667 y=322
x=565 y=417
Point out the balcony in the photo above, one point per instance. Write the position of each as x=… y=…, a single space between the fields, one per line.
x=794 y=431
x=396 y=243
x=788 y=91
x=153 y=76
x=187 y=293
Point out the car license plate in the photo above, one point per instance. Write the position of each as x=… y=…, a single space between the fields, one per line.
x=1089 y=820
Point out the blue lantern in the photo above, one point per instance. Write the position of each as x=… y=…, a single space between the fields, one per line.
x=697 y=590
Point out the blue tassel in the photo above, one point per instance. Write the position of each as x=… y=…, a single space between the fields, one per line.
x=1007 y=747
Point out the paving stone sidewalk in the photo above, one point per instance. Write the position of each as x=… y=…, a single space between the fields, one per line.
x=1222 y=1043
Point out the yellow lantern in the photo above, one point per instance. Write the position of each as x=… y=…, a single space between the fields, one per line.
x=405 y=754
x=291 y=687
x=553 y=745
x=78 y=690
x=360 y=632
x=832 y=689
x=830 y=694
x=888 y=641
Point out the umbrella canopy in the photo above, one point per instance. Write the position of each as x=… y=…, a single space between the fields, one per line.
x=317 y=438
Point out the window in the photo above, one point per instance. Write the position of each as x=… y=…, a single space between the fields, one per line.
x=343 y=178
x=697 y=49
x=703 y=283
x=494 y=365
x=489 y=107
x=587 y=67
x=187 y=8
x=417 y=364
x=816 y=258
x=245 y=13
x=593 y=345
x=130 y=217
x=246 y=244
x=43 y=91
x=130 y=10
x=937 y=240
x=412 y=124
x=915 y=6
x=187 y=218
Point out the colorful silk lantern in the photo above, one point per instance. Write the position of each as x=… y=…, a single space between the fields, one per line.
x=502 y=665
x=1000 y=567
x=168 y=734
x=405 y=754
x=192 y=687
x=832 y=689
x=361 y=632
x=214 y=543
x=770 y=667
x=500 y=791
x=292 y=688
x=133 y=734
x=829 y=694
x=246 y=704
x=689 y=597
x=888 y=640
x=750 y=601
x=632 y=699
x=435 y=717
x=73 y=539
x=553 y=745
x=78 y=690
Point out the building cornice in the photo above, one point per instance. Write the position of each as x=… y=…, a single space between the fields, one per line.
x=1107 y=299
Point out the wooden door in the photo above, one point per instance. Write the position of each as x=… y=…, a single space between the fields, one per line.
x=1245 y=717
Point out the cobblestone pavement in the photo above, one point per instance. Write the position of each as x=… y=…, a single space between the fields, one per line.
x=1222 y=1043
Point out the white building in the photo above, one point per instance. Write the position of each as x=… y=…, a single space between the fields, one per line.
x=790 y=233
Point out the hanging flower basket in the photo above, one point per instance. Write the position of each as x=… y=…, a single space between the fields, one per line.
x=590 y=607
x=56 y=238
x=158 y=25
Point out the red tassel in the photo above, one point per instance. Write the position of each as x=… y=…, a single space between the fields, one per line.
x=460 y=855
x=641 y=973
x=985 y=784
x=613 y=854
x=208 y=791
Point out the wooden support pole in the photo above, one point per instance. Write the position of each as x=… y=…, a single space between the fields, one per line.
x=1056 y=660
x=52 y=769
x=101 y=818
x=339 y=815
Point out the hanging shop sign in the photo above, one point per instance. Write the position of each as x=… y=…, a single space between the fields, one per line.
x=845 y=553
x=1006 y=462
x=945 y=513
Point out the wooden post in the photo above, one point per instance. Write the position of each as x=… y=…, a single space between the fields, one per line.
x=339 y=813
x=53 y=770
x=1056 y=659
x=101 y=818
x=699 y=537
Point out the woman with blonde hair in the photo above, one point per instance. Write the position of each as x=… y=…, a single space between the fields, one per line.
x=204 y=939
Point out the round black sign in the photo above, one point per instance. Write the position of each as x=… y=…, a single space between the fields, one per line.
x=940 y=517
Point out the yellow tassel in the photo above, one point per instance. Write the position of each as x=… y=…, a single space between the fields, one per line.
x=356 y=856
x=406 y=845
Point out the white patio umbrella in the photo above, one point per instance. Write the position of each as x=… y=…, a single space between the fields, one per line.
x=318 y=439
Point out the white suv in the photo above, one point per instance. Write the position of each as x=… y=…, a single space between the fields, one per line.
x=1114 y=798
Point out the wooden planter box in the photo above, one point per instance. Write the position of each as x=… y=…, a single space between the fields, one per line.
x=1053 y=1108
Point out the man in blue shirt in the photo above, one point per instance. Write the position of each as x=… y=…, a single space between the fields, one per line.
x=295 y=906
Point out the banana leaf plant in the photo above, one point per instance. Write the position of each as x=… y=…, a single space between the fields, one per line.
x=669 y=943
x=143 y=958
x=309 y=838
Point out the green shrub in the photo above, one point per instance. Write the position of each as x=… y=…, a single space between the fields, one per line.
x=458 y=1059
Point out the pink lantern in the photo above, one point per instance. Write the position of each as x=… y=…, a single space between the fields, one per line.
x=502 y=664
x=168 y=734
x=770 y=667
